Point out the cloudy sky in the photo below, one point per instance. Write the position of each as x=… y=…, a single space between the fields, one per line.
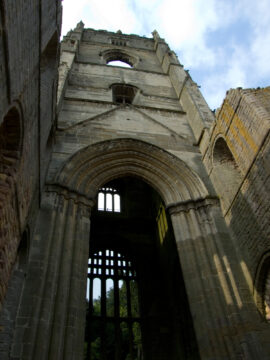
x=224 y=43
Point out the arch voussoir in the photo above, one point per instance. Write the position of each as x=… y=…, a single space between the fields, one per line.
x=97 y=164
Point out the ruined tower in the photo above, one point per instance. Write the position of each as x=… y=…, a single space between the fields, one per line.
x=133 y=248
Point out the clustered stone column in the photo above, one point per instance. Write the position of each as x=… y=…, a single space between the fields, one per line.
x=221 y=306
x=51 y=318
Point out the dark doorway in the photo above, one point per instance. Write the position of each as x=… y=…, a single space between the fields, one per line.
x=137 y=306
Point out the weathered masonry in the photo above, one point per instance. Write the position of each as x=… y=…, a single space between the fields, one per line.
x=134 y=220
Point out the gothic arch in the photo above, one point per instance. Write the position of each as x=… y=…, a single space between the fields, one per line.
x=97 y=164
x=11 y=138
x=11 y=132
x=200 y=235
x=10 y=154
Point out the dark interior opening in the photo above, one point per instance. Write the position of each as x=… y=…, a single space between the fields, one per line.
x=135 y=249
x=123 y=94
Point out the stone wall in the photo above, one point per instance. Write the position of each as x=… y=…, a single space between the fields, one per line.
x=243 y=122
x=95 y=137
x=25 y=31
x=164 y=135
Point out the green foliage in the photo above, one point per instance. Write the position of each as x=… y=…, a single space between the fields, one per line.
x=110 y=302
x=93 y=330
x=95 y=349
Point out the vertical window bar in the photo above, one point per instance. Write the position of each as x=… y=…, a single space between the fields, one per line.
x=107 y=316
x=103 y=296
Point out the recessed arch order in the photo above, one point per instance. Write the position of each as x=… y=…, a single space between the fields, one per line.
x=94 y=165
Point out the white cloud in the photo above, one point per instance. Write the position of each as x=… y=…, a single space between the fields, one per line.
x=233 y=73
x=261 y=55
x=100 y=14
x=260 y=49
x=184 y=24
x=72 y=14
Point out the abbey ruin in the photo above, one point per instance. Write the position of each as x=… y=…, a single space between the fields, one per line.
x=134 y=221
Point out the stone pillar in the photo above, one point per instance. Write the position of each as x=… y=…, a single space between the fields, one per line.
x=51 y=318
x=69 y=49
x=222 y=309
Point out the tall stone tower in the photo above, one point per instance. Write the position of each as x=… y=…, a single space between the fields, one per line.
x=133 y=249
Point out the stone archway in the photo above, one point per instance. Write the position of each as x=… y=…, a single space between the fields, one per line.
x=102 y=162
x=209 y=264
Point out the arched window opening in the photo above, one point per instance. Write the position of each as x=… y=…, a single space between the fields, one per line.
x=124 y=58
x=113 y=316
x=123 y=94
x=10 y=139
x=109 y=200
x=226 y=174
x=222 y=154
x=10 y=152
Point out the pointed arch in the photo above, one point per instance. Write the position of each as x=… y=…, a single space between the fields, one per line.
x=97 y=164
x=11 y=139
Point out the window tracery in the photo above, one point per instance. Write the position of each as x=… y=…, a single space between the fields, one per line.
x=123 y=94
x=119 y=55
x=109 y=200
x=113 y=316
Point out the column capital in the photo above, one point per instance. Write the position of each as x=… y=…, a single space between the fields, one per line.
x=70 y=194
x=192 y=204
